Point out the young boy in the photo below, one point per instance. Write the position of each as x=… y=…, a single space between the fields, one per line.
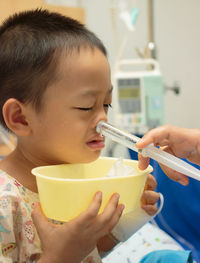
x=55 y=87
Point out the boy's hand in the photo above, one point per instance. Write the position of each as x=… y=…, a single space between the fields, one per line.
x=150 y=197
x=74 y=240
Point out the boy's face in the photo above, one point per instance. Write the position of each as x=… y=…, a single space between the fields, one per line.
x=64 y=131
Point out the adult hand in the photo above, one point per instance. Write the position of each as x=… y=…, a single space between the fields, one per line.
x=74 y=240
x=181 y=142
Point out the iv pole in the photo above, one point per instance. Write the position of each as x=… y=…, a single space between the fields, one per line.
x=151 y=49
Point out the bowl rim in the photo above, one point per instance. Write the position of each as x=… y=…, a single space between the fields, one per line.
x=34 y=171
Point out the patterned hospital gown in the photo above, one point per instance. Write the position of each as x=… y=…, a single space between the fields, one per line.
x=20 y=243
x=18 y=237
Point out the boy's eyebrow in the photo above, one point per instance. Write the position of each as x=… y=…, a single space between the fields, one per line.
x=92 y=93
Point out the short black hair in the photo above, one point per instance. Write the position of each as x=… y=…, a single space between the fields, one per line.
x=30 y=46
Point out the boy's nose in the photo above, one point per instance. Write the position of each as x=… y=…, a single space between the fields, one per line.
x=102 y=116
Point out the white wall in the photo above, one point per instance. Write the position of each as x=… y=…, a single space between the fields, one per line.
x=177 y=37
x=177 y=29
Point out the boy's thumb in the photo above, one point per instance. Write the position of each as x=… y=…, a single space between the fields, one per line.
x=39 y=220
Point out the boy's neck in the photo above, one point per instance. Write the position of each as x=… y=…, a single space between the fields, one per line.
x=17 y=166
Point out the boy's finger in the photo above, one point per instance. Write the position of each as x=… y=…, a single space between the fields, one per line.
x=39 y=220
x=111 y=207
x=150 y=197
x=86 y=217
x=150 y=209
x=151 y=183
x=115 y=218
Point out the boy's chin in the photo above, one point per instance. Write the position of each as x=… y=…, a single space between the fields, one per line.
x=84 y=158
x=89 y=158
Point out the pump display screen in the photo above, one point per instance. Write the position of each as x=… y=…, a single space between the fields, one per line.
x=129 y=91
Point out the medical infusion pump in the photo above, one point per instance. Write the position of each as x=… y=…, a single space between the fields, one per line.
x=138 y=96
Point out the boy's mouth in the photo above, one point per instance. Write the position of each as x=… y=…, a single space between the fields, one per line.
x=96 y=144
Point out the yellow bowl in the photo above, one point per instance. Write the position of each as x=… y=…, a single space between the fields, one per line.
x=66 y=190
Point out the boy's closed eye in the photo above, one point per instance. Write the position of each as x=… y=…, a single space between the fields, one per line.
x=90 y=108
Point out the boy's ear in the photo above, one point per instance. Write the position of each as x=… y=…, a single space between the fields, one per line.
x=14 y=113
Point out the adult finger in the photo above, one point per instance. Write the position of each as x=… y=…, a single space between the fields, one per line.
x=172 y=174
x=143 y=162
x=155 y=136
x=175 y=176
